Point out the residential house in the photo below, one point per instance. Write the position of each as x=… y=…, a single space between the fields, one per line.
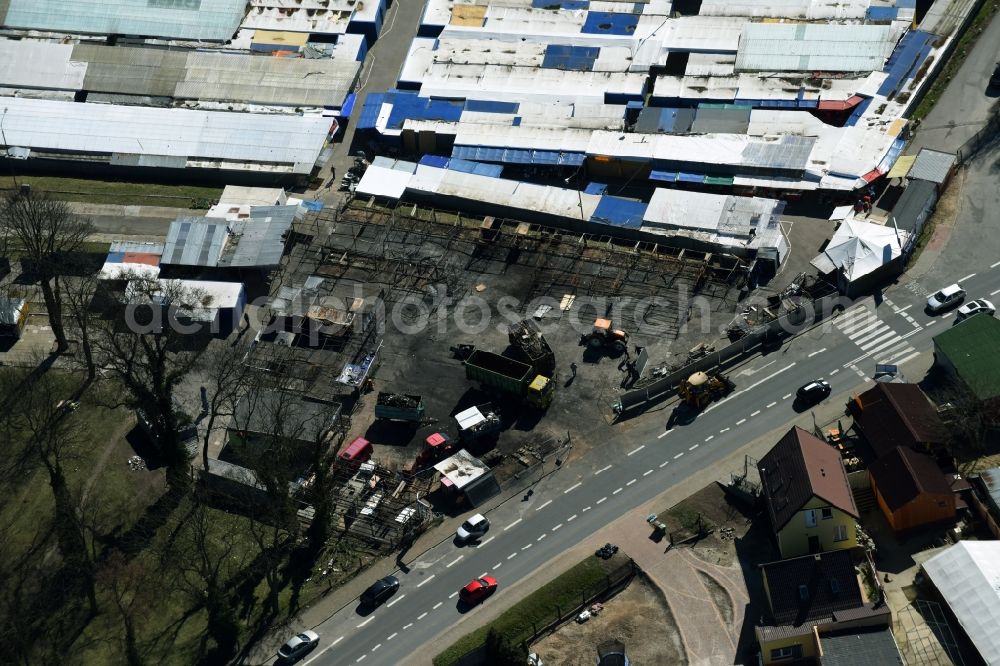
x=890 y=415
x=970 y=352
x=967 y=578
x=808 y=498
x=817 y=610
x=911 y=490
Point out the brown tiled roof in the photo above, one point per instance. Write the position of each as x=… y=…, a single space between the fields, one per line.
x=812 y=587
x=798 y=467
x=892 y=415
x=772 y=632
x=904 y=474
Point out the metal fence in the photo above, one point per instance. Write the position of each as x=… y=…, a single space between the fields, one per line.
x=613 y=583
x=782 y=327
x=982 y=138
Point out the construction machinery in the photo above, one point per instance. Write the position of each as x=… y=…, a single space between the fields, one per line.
x=399 y=407
x=606 y=335
x=702 y=388
x=510 y=376
x=530 y=345
x=437 y=446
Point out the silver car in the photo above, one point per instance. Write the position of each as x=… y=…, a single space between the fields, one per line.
x=473 y=528
x=297 y=646
x=948 y=297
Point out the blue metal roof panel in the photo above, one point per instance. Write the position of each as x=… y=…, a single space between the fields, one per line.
x=906 y=59
x=478 y=168
x=619 y=212
x=610 y=23
x=595 y=188
x=881 y=13
x=517 y=156
x=665 y=176
x=370 y=110
x=577 y=58
x=435 y=161
x=858 y=110
x=690 y=177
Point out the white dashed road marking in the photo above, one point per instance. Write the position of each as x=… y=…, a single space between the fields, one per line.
x=366 y=621
x=617 y=491
x=967 y=277
x=678 y=455
x=770 y=405
x=454 y=562
x=557 y=527
x=422 y=615
x=391 y=636
x=437 y=605
x=636 y=449
x=664 y=464
x=397 y=599
x=755 y=413
x=818 y=351
x=741 y=422
x=603 y=469
x=573 y=487
x=647 y=472
x=693 y=447
x=710 y=438
x=426 y=580
x=544 y=505
x=512 y=524
x=630 y=483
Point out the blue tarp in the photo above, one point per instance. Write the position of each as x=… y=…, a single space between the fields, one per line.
x=619 y=212
x=690 y=177
x=858 y=110
x=412 y=107
x=348 y=108
x=560 y=4
x=595 y=188
x=517 y=156
x=665 y=176
x=881 y=13
x=115 y=258
x=578 y=58
x=489 y=106
x=314 y=206
x=906 y=59
x=610 y=23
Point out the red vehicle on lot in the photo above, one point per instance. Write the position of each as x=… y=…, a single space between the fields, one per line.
x=478 y=590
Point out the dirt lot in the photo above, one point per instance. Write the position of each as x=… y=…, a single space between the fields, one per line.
x=720 y=516
x=632 y=617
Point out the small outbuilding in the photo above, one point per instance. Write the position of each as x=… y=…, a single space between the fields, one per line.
x=911 y=490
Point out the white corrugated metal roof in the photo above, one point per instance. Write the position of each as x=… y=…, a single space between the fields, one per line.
x=796 y=9
x=492 y=82
x=967 y=575
x=708 y=34
x=105 y=128
x=214 y=20
x=39 y=65
x=784 y=152
x=804 y=47
x=383 y=181
x=532 y=138
x=710 y=64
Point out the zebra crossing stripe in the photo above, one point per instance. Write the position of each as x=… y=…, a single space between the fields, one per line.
x=866 y=327
x=890 y=335
x=889 y=343
x=868 y=335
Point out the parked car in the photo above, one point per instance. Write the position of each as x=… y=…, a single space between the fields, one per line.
x=478 y=589
x=379 y=591
x=814 y=391
x=297 y=646
x=473 y=528
x=978 y=306
x=948 y=297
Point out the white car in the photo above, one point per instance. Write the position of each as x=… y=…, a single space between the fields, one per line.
x=473 y=528
x=948 y=297
x=978 y=306
x=297 y=646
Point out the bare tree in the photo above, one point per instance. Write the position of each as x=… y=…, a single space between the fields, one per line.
x=78 y=298
x=46 y=231
x=40 y=410
x=133 y=598
x=148 y=346
x=228 y=379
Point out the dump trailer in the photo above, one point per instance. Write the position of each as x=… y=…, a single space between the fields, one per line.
x=399 y=407
x=530 y=345
x=510 y=376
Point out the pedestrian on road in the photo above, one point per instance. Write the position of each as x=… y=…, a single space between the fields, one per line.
x=572 y=367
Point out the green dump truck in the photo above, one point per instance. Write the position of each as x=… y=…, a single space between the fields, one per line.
x=510 y=376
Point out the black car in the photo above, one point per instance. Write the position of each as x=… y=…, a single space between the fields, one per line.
x=379 y=591
x=814 y=391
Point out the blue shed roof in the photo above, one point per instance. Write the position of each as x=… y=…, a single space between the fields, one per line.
x=610 y=23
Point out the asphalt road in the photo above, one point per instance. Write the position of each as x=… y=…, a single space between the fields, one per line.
x=526 y=534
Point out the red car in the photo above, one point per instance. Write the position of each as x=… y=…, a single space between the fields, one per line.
x=478 y=590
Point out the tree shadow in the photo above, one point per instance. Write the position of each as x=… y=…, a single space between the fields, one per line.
x=141 y=534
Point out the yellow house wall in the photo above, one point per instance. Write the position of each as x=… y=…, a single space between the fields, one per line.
x=793 y=540
x=807 y=642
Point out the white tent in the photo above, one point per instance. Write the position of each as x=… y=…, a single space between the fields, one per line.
x=968 y=577
x=859 y=248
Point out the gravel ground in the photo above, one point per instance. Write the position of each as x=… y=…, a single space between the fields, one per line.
x=633 y=617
